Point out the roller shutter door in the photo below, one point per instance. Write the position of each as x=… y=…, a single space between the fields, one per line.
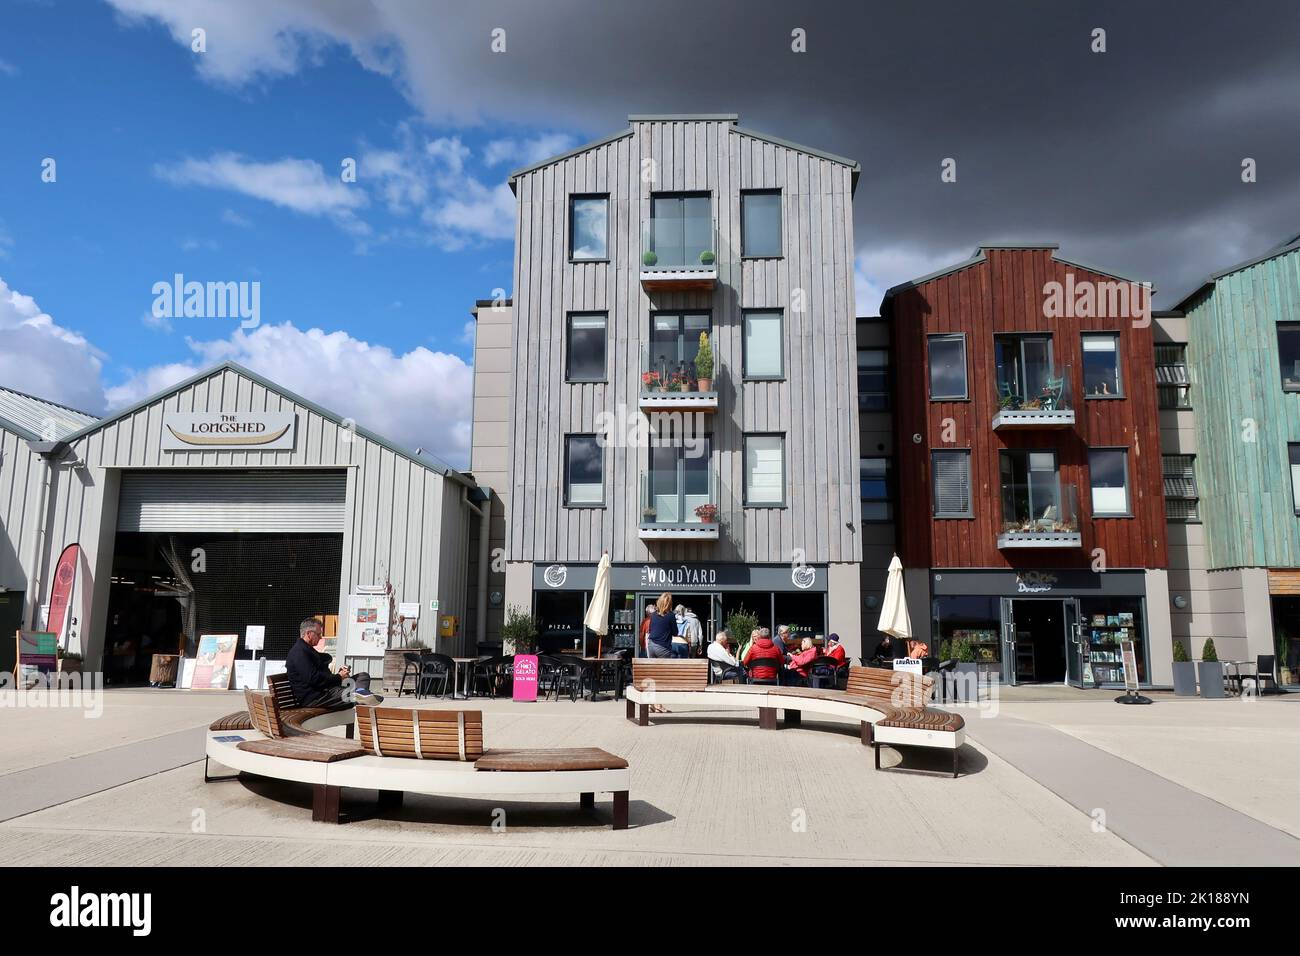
x=234 y=501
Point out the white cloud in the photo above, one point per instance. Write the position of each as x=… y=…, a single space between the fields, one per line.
x=159 y=323
x=468 y=332
x=230 y=217
x=301 y=185
x=875 y=271
x=525 y=152
x=43 y=358
x=418 y=399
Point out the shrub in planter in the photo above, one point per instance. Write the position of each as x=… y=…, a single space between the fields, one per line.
x=650 y=258
x=704 y=363
x=707 y=258
x=1184 y=671
x=740 y=624
x=1210 y=671
x=519 y=633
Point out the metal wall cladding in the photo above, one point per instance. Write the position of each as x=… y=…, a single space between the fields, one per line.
x=247 y=502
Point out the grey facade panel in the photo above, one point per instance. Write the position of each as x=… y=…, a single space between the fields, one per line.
x=812 y=283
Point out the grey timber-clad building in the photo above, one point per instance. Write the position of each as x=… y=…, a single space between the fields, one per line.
x=735 y=489
x=221 y=502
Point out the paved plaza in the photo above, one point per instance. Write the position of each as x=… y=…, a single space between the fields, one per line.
x=1056 y=777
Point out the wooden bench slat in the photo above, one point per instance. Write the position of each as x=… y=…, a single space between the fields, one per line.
x=541 y=761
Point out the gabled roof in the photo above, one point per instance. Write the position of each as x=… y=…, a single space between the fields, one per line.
x=37 y=419
x=423 y=459
x=1290 y=245
x=732 y=118
x=979 y=256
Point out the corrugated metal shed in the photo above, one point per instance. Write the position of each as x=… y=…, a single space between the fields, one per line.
x=37 y=419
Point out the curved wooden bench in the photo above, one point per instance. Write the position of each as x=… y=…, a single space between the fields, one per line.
x=290 y=711
x=889 y=705
x=401 y=750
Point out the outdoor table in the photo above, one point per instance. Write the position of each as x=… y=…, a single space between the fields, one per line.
x=455 y=676
x=1232 y=670
x=595 y=663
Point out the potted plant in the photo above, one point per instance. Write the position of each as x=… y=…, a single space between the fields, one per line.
x=519 y=633
x=1184 y=671
x=1210 y=671
x=650 y=258
x=648 y=514
x=650 y=382
x=708 y=513
x=967 y=671
x=740 y=624
x=707 y=258
x=677 y=382
x=704 y=364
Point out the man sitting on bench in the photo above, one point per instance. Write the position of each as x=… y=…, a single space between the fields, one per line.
x=309 y=673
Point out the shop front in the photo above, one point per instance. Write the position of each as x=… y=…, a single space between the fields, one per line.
x=1043 y=626
x=774 y=594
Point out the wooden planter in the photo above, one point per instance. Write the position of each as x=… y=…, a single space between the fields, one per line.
x=394 y=665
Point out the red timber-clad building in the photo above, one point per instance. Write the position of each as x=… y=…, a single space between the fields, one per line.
x=1031 y=520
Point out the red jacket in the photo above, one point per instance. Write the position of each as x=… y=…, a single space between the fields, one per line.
x=761 y=650
x=799 y=662
x=837 y=652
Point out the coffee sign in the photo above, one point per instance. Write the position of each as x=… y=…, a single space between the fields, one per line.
x=210 y=431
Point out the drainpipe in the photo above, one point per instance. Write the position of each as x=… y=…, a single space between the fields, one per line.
x=484 y=512
x=50 y=453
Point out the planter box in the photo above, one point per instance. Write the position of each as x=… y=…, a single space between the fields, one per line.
x=394 y=664
x=1211 y=675
x=1185 y=678
x=967 y=678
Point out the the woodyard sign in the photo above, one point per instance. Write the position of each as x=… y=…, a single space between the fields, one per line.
x=208 y=431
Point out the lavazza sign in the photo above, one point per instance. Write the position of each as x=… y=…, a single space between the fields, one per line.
x=206 y=431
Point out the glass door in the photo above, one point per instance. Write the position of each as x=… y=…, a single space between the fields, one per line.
x=1073 y=643
x=1008 y=642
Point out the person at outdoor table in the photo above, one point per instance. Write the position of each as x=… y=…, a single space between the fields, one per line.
x=835 y=650
x=663 y=628
x=885 y=650
x=721 y=661
x=799 y=661
x=310 y=678
x=782 y=639
x=645 y=630
x=747 y=643
x=762 y=659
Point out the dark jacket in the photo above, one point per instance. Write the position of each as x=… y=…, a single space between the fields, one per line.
x=663 y=628
x=309 y=672
x=758 y=656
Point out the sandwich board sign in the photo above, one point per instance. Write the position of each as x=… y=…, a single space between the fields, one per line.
x=525 y=677
x=37 y=652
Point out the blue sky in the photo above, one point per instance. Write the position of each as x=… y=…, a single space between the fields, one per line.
x=161 y=170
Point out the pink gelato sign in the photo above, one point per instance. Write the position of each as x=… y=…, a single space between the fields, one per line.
x=525 y=677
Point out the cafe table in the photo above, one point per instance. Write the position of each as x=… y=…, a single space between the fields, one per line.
x=596 y=663
x=460 y=662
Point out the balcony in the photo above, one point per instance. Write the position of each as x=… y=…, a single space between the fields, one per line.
x=1031 y=391
x=673 y=384
x=1040 y=513
x=679 y=497
x=679 y=254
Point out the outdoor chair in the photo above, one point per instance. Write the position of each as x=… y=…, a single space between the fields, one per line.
x=1007 y=392
x=1052 y=393
x=412 y=665
x=571 y=677
x=823 y=672
x=483 y=674
x=435 y=670
x=1263 y=673
x=549 y=670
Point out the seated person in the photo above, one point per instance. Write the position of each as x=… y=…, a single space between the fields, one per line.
x=885 y=652
x=797 y=675
x=310 y=678
x=762 y=659
x=722 y=664
x=835 y=650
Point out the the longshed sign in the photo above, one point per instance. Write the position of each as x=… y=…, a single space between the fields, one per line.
x=209 y=431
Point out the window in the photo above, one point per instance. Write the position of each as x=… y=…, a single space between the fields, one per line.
x=1172 y=381
x=1026 y=375
x=947 y=367
x=586 y=359
x=584 y=472
x=764 y=345
x=588 y=227
x=760 y=223
x=1288 y=354
x=1180 y=487
x=873 y=380
x=680 y=479
x=1294 y=451
x=1101 y=372
x=1033 y=499
x=875 y=476
x=681 y=230
x=951 y=470
x=764 y=470
x=674 y=343
x=1108 y=472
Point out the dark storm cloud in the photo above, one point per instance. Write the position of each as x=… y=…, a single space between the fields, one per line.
x=1130 y=159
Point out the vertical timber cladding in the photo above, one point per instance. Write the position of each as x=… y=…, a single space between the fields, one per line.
x=1001 y=291
x=815 y=407
x=403 y=517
